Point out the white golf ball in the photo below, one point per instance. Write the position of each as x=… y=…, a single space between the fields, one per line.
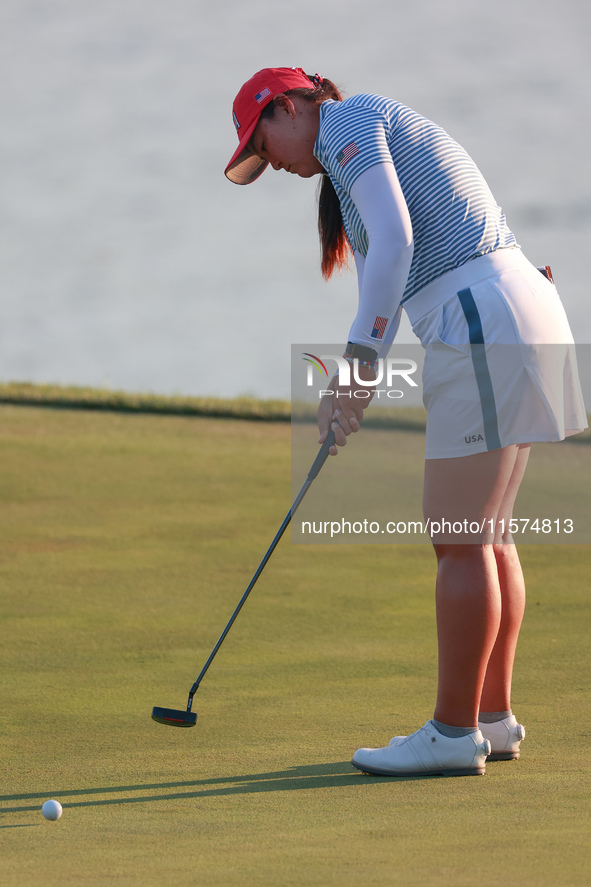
x=52 y=810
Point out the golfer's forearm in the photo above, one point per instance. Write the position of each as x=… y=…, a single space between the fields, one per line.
x=383 y=284
x=384 y=271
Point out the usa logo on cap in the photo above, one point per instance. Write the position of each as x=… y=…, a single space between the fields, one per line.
x=236 y=124
x=262 y=95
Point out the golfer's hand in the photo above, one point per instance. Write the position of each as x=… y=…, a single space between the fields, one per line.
x=343 y=412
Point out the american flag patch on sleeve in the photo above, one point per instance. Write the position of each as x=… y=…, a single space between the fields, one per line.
x=379 y=327
x=348 y=151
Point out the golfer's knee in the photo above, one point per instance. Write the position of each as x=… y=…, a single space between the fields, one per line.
x=461 y=552
x=505 y=551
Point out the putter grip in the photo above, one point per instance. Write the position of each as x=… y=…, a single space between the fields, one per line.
x=322 y=455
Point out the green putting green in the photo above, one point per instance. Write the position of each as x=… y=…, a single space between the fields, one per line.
x=125 y=543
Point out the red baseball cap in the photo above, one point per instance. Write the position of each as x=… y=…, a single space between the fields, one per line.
x=257 y=93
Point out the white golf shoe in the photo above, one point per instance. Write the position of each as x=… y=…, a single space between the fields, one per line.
x=426 y=753
x=504 y=737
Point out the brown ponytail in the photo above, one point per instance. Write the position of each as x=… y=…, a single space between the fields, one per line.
x=333 y=240
x=334 y=244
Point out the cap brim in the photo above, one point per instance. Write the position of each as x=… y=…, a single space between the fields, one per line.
x=244 y=166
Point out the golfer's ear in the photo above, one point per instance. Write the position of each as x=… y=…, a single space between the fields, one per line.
x=284 y=103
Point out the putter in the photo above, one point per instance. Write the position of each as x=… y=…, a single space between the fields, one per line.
x=177 y=718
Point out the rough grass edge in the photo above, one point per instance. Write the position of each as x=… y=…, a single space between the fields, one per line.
x=74 y=397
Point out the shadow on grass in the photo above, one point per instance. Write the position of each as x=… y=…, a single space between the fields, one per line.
x=332 y=775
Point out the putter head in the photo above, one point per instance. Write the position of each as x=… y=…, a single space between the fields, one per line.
x=174 y=718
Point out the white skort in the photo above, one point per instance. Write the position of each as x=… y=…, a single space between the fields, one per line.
x=500 y=363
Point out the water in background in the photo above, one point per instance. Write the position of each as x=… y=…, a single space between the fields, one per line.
x=128 y=260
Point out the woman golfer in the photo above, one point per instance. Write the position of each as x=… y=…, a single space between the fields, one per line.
x=500 y=373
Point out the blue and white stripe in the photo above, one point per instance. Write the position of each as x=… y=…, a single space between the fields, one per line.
x=454 y=216
x=481 y=369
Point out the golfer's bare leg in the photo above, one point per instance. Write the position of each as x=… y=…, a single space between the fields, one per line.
x=469 y=491
x=496 y=692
